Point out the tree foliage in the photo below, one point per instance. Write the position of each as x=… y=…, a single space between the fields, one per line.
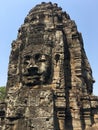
x=2 y=92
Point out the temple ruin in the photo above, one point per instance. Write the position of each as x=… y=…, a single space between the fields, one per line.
x=50 y=82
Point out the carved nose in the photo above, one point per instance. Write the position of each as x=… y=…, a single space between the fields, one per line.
x=33 y=69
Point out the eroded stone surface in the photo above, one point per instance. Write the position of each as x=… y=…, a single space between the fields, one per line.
x=50 y=81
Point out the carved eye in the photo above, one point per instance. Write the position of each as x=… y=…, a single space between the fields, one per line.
x=27 y=59
x=37 y=56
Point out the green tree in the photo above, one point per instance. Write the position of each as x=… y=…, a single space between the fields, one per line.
x=2 y=92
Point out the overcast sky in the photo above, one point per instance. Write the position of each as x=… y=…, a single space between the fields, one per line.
x=84 y=12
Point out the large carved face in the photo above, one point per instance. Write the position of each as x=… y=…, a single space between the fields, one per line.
x=36 y=69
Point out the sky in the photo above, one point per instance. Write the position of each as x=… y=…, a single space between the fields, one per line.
x=84 y=12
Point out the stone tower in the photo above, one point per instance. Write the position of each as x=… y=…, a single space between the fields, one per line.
x=50 y=81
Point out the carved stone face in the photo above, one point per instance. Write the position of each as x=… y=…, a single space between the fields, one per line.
x=36 y=69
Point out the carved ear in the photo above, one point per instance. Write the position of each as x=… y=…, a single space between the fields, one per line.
x=57 y=57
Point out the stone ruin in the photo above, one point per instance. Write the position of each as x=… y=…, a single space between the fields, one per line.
x=50 y=83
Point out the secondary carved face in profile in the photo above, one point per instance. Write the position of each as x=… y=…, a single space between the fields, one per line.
x=36 y=69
